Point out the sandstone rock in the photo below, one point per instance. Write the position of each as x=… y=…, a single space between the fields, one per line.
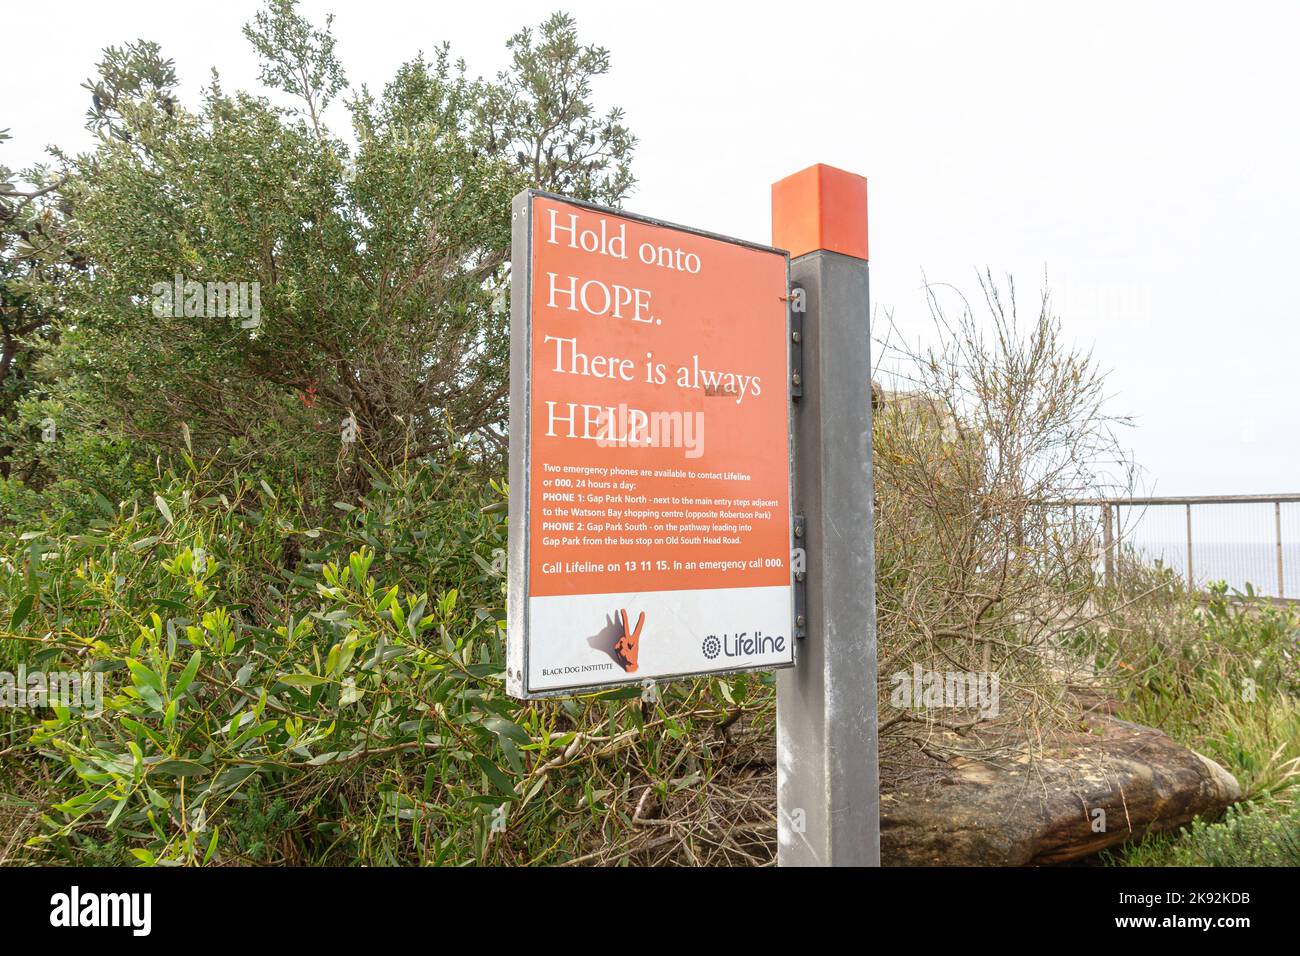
x=1017 y=812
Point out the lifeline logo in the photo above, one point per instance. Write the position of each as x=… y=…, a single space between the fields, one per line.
x=742 y=645
x=103 y=909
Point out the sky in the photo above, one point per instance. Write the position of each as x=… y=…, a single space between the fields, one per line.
x=1142 y=159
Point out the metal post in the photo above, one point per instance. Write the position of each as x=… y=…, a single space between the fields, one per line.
x=1190 y=581
x=1277 y=523
x=828 y=785
x=1046 y=537
x=1118 y=535
x=1074 y=533
x=1107 y=546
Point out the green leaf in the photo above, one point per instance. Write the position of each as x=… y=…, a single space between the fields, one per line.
x=512 y=755
x=495 y=776
x=212 y=845
x=232 y=777
x=626 y=693
x=508 y=729
x=413 y=619
x=255 y=731
x=117 y=812
x=21 y=611
x=143 y=730
x=187 y=675
x=303 y=681
x=142 y=676
x=103 y=504
x=179 y=768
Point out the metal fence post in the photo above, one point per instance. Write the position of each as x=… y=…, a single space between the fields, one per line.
x=1277 y=522
x=1190 y=578
x=1118 y=537
x=1107 y=545
x=828 y=785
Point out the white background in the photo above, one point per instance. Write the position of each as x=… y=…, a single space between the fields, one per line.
x=563 y=629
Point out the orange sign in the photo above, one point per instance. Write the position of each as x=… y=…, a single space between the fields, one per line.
x=650 y=440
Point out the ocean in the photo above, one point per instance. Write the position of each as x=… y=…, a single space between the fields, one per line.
x=1236 y=563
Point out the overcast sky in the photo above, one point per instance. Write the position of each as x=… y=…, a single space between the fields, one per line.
x=1146 y=156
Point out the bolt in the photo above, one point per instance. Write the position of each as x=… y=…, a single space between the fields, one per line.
x=798 y=575
x=797 y=379
x=796 y=336
x=800 y=621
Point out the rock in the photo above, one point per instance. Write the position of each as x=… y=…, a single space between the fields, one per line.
x=1019 y=813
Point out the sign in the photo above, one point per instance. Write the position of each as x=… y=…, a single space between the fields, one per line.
x=650 y=484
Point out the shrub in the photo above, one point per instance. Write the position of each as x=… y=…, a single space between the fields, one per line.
x=980 y=437
x=1217 y=672
x=1259 y=835
x=283 y=693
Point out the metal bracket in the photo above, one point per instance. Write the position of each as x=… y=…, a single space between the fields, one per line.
x=796 y=300
x=801 y=579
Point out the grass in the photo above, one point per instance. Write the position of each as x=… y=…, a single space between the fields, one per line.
x=1221 y=676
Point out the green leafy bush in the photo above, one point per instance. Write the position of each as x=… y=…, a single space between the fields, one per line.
x=1259 y=835
x=1245 y=838
x=285 y=693
x=1218 y=672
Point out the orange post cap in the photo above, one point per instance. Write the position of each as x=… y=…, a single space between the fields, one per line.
x=820 y=207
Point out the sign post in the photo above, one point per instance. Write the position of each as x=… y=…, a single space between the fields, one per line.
x=828 y=787
x=650 y=452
